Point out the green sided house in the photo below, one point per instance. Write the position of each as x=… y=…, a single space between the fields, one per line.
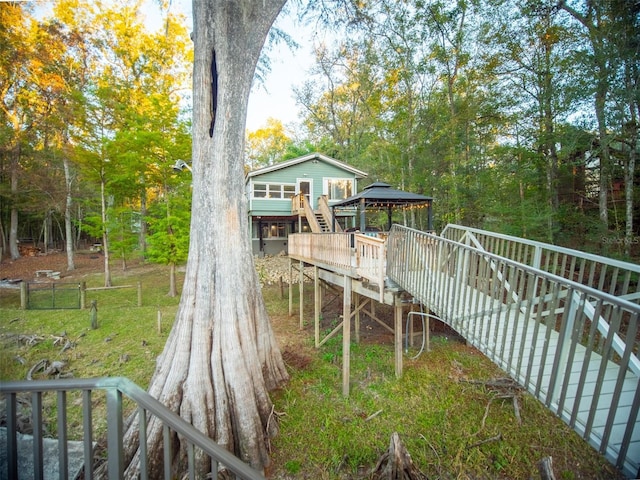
x=296 y=196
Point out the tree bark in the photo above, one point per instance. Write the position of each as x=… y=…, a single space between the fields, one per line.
x=221 y=357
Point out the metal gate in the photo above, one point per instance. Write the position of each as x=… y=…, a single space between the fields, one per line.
x=50 y=296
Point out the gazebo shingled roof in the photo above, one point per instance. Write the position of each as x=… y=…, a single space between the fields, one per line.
x=380 y=195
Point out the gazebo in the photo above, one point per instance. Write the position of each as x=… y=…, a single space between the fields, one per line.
x=380 y=196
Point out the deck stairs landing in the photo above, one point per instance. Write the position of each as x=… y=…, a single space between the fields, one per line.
x=572 y=344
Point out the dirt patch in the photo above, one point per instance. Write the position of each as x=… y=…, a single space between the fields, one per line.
x=25 y=268
x=296 y=360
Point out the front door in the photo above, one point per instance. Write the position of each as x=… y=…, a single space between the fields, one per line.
x=304 y=186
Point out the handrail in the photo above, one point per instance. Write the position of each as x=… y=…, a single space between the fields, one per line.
x=542 y=329
x=585 y=268
x=325 y=211
x=114 y=388
x=300 y=205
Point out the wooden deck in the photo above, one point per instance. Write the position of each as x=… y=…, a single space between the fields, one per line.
x=562 y=341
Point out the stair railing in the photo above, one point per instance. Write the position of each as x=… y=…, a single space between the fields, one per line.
x=114 y=388
x=325 y=211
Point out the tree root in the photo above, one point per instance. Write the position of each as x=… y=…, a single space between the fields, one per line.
x=396 y=464
x=507 y=388
x=546 y=469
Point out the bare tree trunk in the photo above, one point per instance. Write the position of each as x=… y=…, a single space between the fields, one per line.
x=68 y=227
x=631 y=132
x=142 y=239
x=13 y=225
x=592 y=21
x=105 y=233
x=221 y=357
x=172 y=280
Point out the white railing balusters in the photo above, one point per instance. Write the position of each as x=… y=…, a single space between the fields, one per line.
x=573 y=346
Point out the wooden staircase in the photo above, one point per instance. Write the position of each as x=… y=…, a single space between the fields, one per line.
x=322 y=223
x=319 y=220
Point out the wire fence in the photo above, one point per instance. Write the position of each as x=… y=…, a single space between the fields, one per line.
x=53 y=296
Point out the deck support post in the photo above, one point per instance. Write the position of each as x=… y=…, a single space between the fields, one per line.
x=397 y=329
x=290 y=287
x=346 y=336
x=301 y=292
x=317 y=309
x=356 y=302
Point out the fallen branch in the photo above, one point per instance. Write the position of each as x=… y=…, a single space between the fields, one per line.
x=373 y=415
x=486 y=410
x=486 y=440
x=504 y=382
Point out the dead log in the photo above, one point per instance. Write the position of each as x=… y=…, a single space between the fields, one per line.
x=396 y=463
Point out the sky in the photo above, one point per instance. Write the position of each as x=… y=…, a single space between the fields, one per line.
x=289 y=68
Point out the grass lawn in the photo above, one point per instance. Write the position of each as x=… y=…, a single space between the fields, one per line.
x=450 y=418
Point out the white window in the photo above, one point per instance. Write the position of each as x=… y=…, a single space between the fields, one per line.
x=338 y=188
x=288 y=191
x=276 y=191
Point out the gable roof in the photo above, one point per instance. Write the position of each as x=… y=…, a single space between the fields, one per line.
x=307 y=158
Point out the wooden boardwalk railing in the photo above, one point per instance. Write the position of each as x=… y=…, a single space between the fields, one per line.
x=351 y=254
x=572 y=346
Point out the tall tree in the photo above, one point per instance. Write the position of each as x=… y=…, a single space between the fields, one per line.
x=16 y=102
x=597 y=28
x=268 y=144
x=221 y=357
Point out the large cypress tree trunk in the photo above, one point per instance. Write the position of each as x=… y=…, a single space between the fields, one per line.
x=221 y=357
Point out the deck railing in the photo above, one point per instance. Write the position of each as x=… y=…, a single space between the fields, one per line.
x=605 y=274
x=331 y=249
x=371 y=259
x=572 y=346
x=53 y=395
x=355 y=255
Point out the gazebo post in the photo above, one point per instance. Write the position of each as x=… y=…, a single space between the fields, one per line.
x=363 y=220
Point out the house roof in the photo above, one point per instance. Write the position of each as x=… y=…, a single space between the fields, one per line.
x=307 y=158
x=381 y=194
